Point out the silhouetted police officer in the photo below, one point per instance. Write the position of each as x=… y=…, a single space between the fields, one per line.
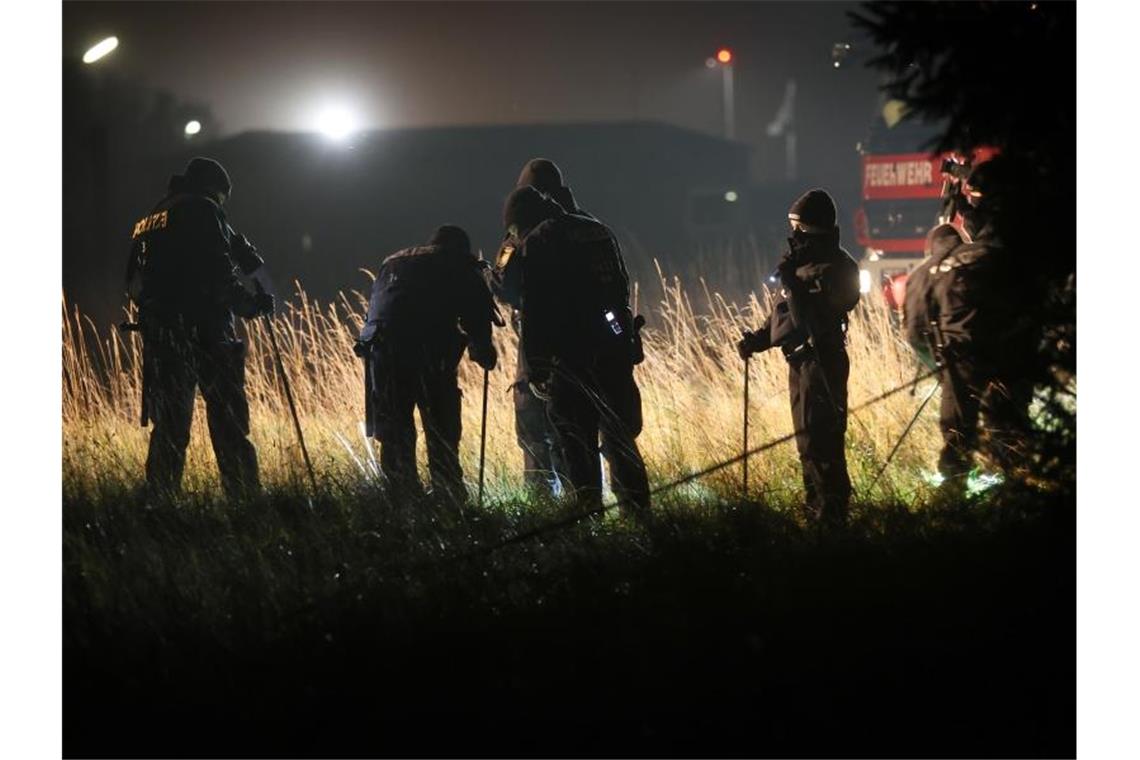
x=961 y=308
x=579 y=342
x=412 y=342
x=940 y=243
x=542 y=459
x=819 y=284
x=181 y=274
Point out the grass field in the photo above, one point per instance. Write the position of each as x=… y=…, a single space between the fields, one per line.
x=348 y=625
x=358 y=629
x=691 y=383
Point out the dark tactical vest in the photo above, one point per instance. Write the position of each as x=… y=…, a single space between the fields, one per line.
x=576 y=289
x=963 y=299
x=179 y=266
x=919 y=306
x=813 y=314
x=419 y=295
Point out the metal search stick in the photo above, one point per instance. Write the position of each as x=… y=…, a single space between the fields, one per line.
x=902 y=437
x=744 y=450
x=289 y=397
x=483 y=435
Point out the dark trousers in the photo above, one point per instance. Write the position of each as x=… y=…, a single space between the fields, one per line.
x=970 y=391
x=416 y=379
x=599 y=398
x=817 y=385
x=176 y=364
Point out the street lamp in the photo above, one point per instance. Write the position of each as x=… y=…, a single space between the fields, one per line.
x=100 y=49
x=336 y=123
x=724 y=58
x=193 y=127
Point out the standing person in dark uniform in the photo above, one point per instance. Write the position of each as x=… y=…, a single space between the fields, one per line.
x=940 y=243
x=181 y=274
x=543 y=466
x=963 y=305
x=412 y=343
x=580 y=344
x=819 y=284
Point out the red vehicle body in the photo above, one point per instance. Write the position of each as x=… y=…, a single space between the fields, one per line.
x=901 y=200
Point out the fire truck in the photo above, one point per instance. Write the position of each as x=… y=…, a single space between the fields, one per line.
x=902 y=198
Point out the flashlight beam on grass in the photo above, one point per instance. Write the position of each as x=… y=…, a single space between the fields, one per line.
x=101 y=50
x=976 y=482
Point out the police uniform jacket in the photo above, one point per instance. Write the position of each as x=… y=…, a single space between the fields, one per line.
x=918 y=306
x=970 y=299
x=180 y=270
x=818 y=284
x=575 y=294
x=424 y=295
x=506 y=277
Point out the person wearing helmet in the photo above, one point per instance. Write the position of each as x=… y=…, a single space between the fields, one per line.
x=579 y=344
x=428 y=304
x=181 y=274
x=543 y=466
x=818 y=286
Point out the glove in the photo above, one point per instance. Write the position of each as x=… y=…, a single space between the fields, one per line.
x=253 y=305
x=262 y=304
x=809 y=272
x=245 y=255
x=752 y=343
x=787 y=269
x=485 y=356
x=638 y=345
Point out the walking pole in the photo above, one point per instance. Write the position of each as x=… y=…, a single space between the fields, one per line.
x=483 y=435
x=902 y=437
x=745 y=449
x=289 y=396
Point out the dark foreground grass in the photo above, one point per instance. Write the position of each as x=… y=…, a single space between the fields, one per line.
x=357 y=628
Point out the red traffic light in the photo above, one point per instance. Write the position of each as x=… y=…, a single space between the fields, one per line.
x=724 y=55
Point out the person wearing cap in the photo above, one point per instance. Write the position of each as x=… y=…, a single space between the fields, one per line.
x=579 y=344
x=428 y=304
x=818 y=286
x=964 y=299
x=181 y=274
x=543 y=467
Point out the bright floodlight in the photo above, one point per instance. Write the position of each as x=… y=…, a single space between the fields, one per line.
x=336 y=123
x=193 y=127
x=731 y=196
x=101 y=49
x=724 y=55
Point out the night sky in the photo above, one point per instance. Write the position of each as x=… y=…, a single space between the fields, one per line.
x=279 y=65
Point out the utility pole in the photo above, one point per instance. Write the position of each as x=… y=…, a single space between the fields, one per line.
x=784 y=125
x=723 y=59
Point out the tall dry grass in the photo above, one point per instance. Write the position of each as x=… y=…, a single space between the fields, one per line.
x=691 y=383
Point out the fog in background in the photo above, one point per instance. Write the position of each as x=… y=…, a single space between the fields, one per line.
x=551 y=74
